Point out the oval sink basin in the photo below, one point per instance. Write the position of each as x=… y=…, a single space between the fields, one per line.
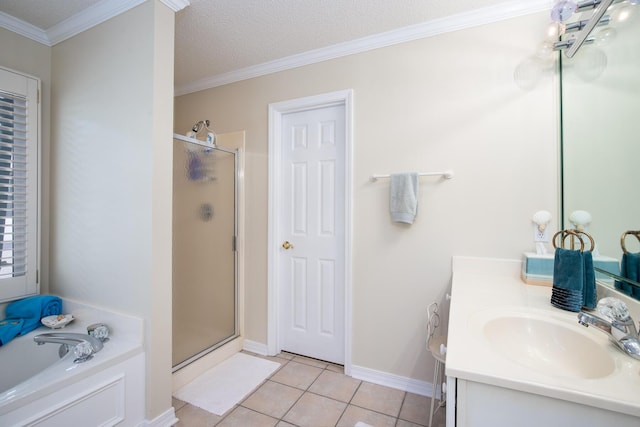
x=548 y=347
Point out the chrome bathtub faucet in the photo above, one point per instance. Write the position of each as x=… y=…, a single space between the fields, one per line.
x=616 y=323
x=84 y=346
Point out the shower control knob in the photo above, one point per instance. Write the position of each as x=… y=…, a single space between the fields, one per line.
x=286 y=245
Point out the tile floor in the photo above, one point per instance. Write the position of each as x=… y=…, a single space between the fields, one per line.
x=306 y=392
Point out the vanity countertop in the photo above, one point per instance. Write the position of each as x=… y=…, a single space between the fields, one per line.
x=485 y=289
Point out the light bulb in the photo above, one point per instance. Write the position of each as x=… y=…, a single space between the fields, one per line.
x=527 y=73
x=545 y=50
x=590 y=63
x=621 y=14
x=604 y=36
x=555 y=30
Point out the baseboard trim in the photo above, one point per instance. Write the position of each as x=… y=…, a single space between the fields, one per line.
x=256 y=347
x=166 y=419
x=410 y=385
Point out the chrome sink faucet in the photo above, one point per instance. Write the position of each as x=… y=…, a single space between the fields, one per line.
x=84 y=346
x=616 y=323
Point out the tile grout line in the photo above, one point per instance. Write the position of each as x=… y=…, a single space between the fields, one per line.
x=284 y=362
x=400 y=410
x=307 y=390
x=349 y=402
x=294 y=403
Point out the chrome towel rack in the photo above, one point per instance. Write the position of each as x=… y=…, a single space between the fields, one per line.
x=448 y=174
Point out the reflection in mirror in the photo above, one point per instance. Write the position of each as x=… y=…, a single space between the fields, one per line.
x=601 y=131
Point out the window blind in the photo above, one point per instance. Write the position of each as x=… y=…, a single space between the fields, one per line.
x=13 y=185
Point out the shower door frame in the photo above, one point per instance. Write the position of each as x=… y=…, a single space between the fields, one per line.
x=236 y=324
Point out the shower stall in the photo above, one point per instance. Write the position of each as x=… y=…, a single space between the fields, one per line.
x=205 y=256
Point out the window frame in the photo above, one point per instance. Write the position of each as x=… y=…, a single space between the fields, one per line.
x=21 y=84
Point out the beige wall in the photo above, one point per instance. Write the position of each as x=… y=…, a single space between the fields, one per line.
x=29 y=57
x=111 y=176
x=445 y=102
x=158 y=322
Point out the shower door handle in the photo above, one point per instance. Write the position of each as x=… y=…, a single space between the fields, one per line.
x=286 y=245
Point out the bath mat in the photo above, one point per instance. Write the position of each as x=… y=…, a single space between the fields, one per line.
x=225 y=385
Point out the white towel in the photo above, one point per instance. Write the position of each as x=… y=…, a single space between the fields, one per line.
x=403 y=197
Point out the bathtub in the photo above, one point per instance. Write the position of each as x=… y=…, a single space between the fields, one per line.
x=38 y=388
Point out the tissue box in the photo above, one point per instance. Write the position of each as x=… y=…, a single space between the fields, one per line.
x=609 y=264
x=537 y=269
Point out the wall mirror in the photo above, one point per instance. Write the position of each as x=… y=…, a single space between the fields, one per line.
x=600 y=99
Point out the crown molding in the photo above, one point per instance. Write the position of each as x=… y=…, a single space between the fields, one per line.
x=88 y=18
x=101 y=12
x=23 y=28
x=81 y=21
x=176 y=5
x=487 y=15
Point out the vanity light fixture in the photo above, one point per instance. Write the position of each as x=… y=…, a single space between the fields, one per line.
x=582 y=28
x=567 y=32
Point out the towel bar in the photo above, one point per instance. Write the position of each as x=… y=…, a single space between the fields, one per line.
x=446 y=174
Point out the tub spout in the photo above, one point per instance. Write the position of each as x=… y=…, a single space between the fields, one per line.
x=84 y=346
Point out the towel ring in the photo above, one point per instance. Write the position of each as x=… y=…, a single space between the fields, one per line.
x=564 y=234
x=624 y=236
x=593 y=242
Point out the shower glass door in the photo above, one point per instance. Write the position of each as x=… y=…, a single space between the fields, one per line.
x=204 y=255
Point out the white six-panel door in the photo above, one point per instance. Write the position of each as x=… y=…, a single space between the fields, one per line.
x=312 y=228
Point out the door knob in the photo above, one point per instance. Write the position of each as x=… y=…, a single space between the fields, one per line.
x=286 y=245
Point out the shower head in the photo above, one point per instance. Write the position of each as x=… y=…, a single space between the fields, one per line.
x=196 y=128
x=203 y=124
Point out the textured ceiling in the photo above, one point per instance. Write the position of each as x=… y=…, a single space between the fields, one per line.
x=214 y=37
x=226 y=35
x=44 y=14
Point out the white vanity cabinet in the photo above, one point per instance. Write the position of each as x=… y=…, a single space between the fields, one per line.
x=481 y=405
x=515 y=360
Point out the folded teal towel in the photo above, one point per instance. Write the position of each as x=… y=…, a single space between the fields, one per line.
x=629 y=269
x=568 y=270
x=9 y=329
x=590 y=296
x=403 y=197
x=32 y=309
